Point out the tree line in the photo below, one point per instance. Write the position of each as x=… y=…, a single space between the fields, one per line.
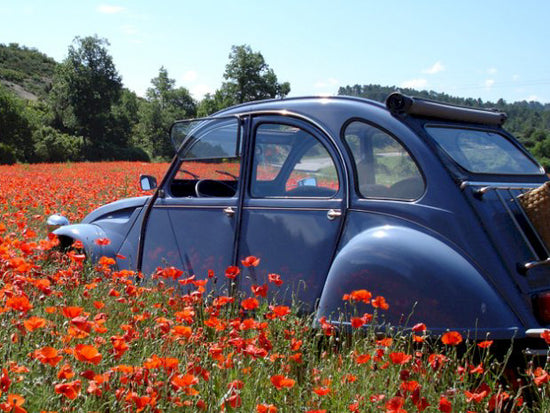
x=80 y=110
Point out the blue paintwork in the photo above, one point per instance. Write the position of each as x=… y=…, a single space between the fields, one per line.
x=112 y=221
x=447 y=259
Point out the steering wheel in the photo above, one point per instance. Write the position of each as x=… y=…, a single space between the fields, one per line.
x=212 y=188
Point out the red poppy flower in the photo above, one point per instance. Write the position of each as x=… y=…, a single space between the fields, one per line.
x=184 y=380
x=321 y=391
x=65 y=372
x=380 y=302
x=33 y=323
x=181 y=331
x=102 y=241
x=250 y=303
x=19 y=303
x=400 y=357
x=275 y=279
x=475 y=397
x=234 y=400
x=266 y=408
x=170 y=272
x=72 y=312
x=349 y=378
x=47 y=355
x=358 y=295
x=280 y=381
x=418 y=328
x=13 y=404
x=451 y=338
x=280 y=310
x=69 y=390
x=87 y=354
x=445 y=405
x=106 y=261
x=259 y=290
x=232 y=271
x=251 y=261
x=363 y=358
x=5 y=381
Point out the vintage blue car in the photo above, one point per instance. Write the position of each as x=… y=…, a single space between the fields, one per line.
x=413 y=200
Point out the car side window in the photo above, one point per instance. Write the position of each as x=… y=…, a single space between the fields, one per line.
x=291 y=162
x=209 y=165
x=385 y=169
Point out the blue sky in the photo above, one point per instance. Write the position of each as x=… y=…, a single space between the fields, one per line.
x=484 y=48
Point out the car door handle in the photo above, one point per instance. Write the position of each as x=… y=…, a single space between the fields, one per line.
x=332 y=214
x=230 y=212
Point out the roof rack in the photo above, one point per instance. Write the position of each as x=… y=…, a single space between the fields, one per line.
x=399 y=104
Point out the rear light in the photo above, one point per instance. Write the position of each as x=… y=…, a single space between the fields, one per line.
x=541 y=304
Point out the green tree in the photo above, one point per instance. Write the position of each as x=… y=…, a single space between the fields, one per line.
x=85 y=88
x=16 y=143
x=248 y=78
x=165 y=104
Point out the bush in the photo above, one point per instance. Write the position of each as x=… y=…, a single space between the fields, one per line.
x=7 y=155
x=132 y=153
x=54 y=146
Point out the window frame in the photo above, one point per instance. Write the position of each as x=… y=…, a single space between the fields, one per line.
x=351 y=156
x=500 y=132
x=179 y=160
x=319 y=137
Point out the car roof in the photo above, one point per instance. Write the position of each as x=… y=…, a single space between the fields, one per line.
x=329 y=112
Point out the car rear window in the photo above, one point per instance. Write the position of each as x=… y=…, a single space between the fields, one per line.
x=483 y=152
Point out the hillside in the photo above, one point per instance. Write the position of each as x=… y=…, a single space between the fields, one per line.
x=27 y=72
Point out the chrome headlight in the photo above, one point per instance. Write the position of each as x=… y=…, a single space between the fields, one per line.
x=55 y=221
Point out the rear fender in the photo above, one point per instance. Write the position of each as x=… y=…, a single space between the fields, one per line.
x=88 y=234
x=422 y=278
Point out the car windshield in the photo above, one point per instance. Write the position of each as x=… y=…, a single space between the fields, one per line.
x=483 y=152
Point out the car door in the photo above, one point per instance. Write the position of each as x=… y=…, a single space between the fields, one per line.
x=293 y=208
x=193 y=222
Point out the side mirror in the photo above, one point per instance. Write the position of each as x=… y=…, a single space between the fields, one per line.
x=308 y=182
x=147 y=182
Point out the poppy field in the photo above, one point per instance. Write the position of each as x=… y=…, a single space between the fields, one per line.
x=83 y=338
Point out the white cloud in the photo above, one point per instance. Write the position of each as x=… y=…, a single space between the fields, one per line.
x=489 y=83
x=189 y=76
x=109 y=9
x=515 y=77
x=415 y=83
x=436 y=68
x=492 y=70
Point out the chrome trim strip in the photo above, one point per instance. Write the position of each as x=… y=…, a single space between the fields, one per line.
x=535 y=332
x=534 y=264
x=287 y=208
x=195 y=206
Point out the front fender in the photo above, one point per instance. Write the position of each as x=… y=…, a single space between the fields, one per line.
x=422 y=278
x=87 y=234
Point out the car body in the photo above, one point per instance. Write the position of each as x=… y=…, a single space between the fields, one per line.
x=414 y=200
